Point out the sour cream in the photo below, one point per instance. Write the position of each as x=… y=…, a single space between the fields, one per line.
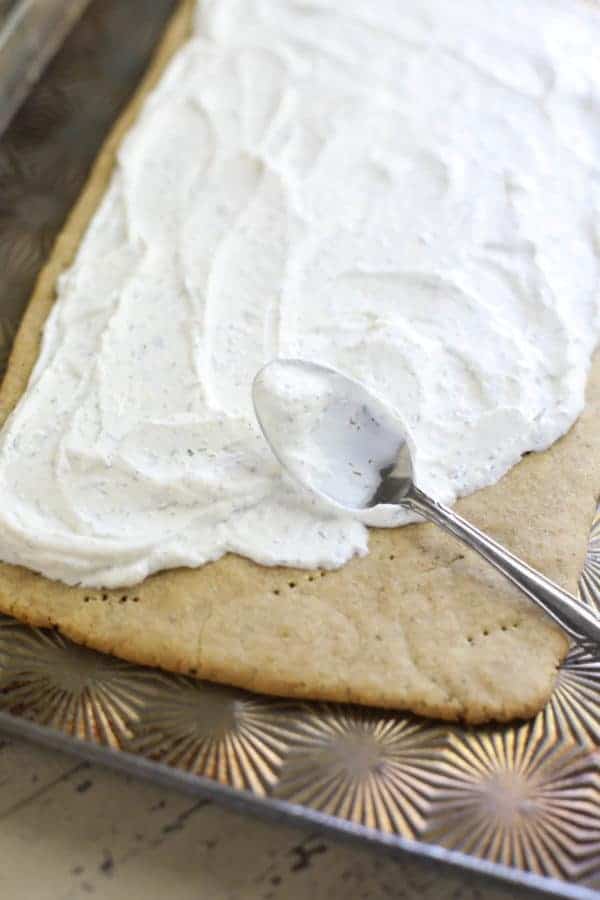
x=409 y=192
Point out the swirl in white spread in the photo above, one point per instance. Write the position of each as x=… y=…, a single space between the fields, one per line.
x=409 y=192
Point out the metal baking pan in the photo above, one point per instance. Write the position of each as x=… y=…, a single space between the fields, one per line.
x=511 y=806
x=30 y=32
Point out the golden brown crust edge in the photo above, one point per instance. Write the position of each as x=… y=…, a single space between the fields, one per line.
x=415 y=625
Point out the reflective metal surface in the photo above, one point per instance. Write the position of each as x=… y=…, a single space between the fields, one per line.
x=521 y=803
x=30 y=32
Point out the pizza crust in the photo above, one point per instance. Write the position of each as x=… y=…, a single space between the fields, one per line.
x=420 y=623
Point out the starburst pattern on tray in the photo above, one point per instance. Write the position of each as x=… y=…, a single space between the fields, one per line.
x=83 y=693
x=373 y=768
x=573 y=712
x=521 y=797
x=221 y=733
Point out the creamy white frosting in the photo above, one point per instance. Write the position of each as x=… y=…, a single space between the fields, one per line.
x=409 y=192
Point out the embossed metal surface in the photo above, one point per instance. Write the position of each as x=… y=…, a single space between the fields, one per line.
x=526 y=797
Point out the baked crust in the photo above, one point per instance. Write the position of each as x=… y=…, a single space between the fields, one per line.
x=417 y=624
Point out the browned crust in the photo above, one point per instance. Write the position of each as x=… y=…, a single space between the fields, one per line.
x=414 y=625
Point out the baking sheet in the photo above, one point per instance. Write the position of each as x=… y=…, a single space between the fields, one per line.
x=30 y=33
x=520 y=804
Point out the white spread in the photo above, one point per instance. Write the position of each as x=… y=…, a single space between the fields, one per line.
x=409 y=192
x=334 y=437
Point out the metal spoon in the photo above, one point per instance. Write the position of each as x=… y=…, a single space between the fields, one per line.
x=352 y=450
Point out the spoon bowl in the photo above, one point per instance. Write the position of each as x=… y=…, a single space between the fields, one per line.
x=335 y=438
x=340 y=441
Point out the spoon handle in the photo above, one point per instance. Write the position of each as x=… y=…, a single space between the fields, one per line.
x=564 y=608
